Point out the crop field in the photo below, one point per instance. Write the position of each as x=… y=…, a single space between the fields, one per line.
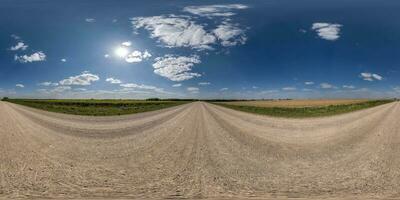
x=302 y=108
x=96 y=107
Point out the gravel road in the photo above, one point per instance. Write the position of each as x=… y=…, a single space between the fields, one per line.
x=199 y=150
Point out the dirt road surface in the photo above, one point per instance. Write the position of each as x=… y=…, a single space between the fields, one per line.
x=199 y=150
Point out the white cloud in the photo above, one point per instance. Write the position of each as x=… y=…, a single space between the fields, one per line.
x=176 y=31
x=86 y=78
x=254 y=87
x=15 y=37
x=215 y=10
x=193 y=89
x=327 y=31
x=177 y=85
x=137 y=56
x=19 y=85
x=126 y=44
x=229 y=34
x=327 y=86
x=48 y=83
x=106 y=55
x=348 y=86
x=60 y=89
x=309 y=83
x=176 y=68
x=141 y=86
x=90 y=20
x=224 y=89
x=35 y=57
x=181 y=31
x=63 y=60
x=113 y=80
x=370 y=76
x=204 y=83
x=19 y=46
x=289 y=88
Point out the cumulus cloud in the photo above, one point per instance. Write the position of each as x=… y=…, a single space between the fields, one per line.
x=327 y=31
x=86 y=78
x=35 y=57
x=175 y=31
x=177 y=85
x=90 y=20
x=327 y=86
x=63 y=60
x=19 y=46
x=137 y=56
x=370 y=76
x=126 y=44
x=181 y=31
x=348 y=86
x=289 y=88
x=215 y=10
x=19 y=85
x=309 y=83
x=230 y=34
x=113 y=80
x=204 y=83
x=60 y=89
x=176 y=68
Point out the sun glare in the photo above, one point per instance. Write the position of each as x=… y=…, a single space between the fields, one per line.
x=121 y=52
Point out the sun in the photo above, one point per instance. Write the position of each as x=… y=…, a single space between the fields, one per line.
x=121 y=52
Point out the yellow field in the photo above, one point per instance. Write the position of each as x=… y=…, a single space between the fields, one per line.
x=297 y=103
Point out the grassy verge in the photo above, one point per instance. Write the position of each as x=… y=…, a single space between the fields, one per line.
x=306 y=111
x=97 y=107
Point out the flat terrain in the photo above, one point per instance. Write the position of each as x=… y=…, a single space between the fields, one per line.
x=95 y=107
x=302 y=108
x=199 y=150
x=297 y=103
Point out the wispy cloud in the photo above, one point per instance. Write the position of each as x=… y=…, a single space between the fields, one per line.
x=90 y=20
x=309 y=83
x=226 y=10
x=177 y=85
x=230 y=34
x=35 y=57
x=370 y=76
x=48 y=83
x=19 y=46
x=63 y=60
x=176 y=68
x=327 y=86
x=224 y=89
x=348 y=86
x=84 y=79
x=289 y=88
x=113 y=80
x=204 y=83
x=327 y=31
x=193 y=89
x=19 y=85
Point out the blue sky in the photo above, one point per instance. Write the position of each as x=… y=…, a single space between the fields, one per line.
x=199 y=49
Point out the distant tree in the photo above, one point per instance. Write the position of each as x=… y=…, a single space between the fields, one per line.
x=153 y=99
x=5 y=99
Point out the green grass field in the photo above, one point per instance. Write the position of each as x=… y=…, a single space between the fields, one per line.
x=97 y=107
x=303 y=112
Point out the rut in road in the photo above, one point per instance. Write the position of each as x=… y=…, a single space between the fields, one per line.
x=199 y=150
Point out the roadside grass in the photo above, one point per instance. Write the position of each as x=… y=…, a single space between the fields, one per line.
x=96 y=107
x=304 y=112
